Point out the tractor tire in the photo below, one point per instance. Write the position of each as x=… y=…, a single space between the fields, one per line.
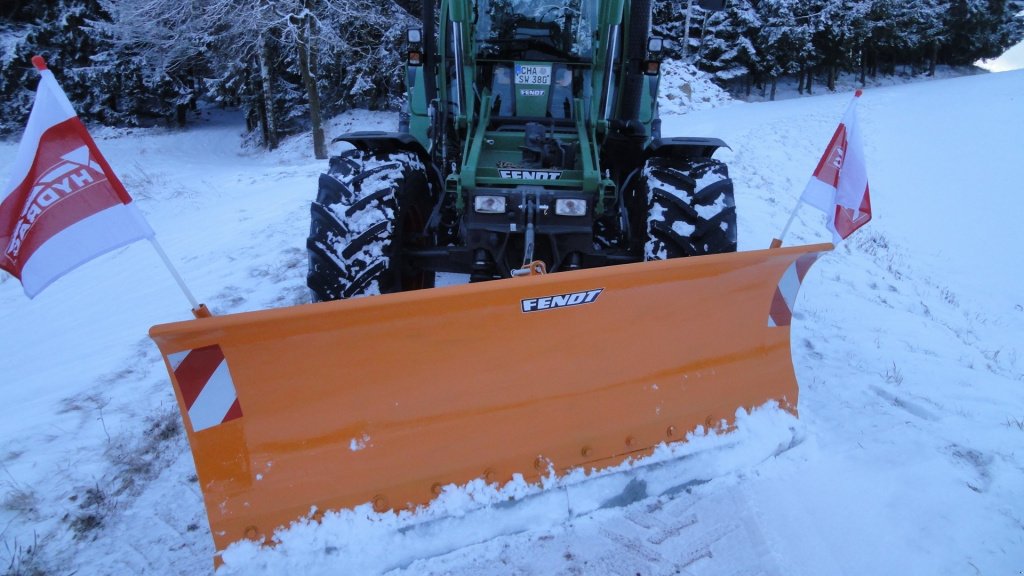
x=691 y=208
x=370 y=208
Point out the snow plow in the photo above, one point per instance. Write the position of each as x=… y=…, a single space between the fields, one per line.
x=607 y=310
x=296 y=411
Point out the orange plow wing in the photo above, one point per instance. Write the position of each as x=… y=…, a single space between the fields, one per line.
x=386 y=399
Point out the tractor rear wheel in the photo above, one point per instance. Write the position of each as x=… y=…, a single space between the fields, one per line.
x=691 y=208
x=371 y=206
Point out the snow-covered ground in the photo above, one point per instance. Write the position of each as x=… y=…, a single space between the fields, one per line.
x=908 y=457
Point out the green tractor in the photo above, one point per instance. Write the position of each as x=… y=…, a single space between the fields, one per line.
x=531 y=142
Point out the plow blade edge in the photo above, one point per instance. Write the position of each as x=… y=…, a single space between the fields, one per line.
x=386 y=399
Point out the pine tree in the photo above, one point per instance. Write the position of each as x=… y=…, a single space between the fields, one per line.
x=727 y=48
x=981 y=29
x=783 y=40
x=670 y=19
x=58 y=31
x=842 y=29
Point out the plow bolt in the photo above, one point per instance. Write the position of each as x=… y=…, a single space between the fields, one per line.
x=380 y=503
x=586 y=451
x=670 y=431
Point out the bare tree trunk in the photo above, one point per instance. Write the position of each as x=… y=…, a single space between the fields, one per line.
x=319 y=138
x=270 y=126
x=863 y=66
x=307 y=67
x=703 y=35
x=775 y=86
x=258 y=117
x=686 y=29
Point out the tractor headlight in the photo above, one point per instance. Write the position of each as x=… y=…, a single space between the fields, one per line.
x=489 y=204
x=571 y=207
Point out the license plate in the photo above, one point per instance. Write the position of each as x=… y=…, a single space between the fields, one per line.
x=530 y=74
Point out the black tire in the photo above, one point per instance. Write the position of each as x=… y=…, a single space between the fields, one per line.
x=370 y=207
x=691 y=208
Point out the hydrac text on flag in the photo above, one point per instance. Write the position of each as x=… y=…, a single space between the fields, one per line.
x=63 y=205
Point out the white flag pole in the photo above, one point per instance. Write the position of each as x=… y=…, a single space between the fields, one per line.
x=777 y=242
x=199 y=310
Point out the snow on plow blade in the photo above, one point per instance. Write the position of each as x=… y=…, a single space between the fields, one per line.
x=386 y=399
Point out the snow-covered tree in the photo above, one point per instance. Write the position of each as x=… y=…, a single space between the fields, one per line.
x=56 y=30
x=682 y=23
x=288 y=63
x=841 y=29
x=982 y=29
x=784 y=39
x=727 y=48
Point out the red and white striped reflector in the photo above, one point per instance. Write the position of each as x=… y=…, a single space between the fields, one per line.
x=781 y=312
x=206 y=386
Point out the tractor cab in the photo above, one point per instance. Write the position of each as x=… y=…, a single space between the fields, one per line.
x=534 y=55
x=535 y=29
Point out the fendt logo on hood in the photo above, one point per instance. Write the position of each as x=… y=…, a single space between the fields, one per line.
x=73 y=172
x=561 y=300
x=530 y=174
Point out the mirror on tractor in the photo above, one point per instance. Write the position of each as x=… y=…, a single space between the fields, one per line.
x=652 y=65
x=415 y=38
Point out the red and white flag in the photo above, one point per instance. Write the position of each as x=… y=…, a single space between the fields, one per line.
x=839 y=186
x=63 y=205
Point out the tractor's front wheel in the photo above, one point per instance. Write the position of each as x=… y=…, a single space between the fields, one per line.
x=691 y=208
x=370 y=207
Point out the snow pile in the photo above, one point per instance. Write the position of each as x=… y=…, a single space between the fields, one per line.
x=480 y=514
x=684 y=89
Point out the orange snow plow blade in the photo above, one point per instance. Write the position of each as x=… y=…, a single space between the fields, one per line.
x=386 y=399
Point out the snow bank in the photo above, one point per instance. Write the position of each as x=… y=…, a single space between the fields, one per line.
x=685 y=89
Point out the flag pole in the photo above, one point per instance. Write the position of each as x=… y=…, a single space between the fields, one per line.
x=777 y=242
x=198 y=310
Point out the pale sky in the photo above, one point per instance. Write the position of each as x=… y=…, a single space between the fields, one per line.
x=1013 y=59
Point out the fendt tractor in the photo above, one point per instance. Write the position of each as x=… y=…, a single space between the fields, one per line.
x=607 y=311
x=531 y=142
